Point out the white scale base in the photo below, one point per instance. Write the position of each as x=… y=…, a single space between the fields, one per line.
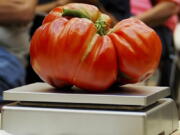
x=157 y=118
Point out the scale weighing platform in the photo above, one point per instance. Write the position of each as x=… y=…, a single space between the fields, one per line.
x=40 y=109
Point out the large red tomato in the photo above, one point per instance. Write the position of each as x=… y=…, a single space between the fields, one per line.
x=76 y=46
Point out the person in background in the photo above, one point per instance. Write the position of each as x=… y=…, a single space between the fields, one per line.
x=120 y=9
x=156 y=12
x=16 y=16
x=44 y=6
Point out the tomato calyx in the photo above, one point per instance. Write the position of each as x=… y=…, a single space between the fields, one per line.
x=101 y=23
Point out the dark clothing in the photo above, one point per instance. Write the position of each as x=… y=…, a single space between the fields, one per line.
x=44 y=1
x=119 y=8
x=167 y=67
x=166 y=37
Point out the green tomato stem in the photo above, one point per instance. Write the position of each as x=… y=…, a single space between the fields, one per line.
x=74 y=13
x=100 y=22
x=100 y=25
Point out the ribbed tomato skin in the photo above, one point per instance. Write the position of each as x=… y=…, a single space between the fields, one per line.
x=68 y=51
x=59 y=54
x=138 y=50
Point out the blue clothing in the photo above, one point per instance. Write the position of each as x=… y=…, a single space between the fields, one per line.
x=12 y=72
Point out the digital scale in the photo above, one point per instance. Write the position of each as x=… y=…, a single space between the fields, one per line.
x=40 y=109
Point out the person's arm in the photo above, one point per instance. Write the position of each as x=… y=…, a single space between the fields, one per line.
x=45 y=8
x=159 y=13
x=17 y=11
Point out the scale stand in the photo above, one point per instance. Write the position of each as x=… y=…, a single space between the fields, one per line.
x=40 y=109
